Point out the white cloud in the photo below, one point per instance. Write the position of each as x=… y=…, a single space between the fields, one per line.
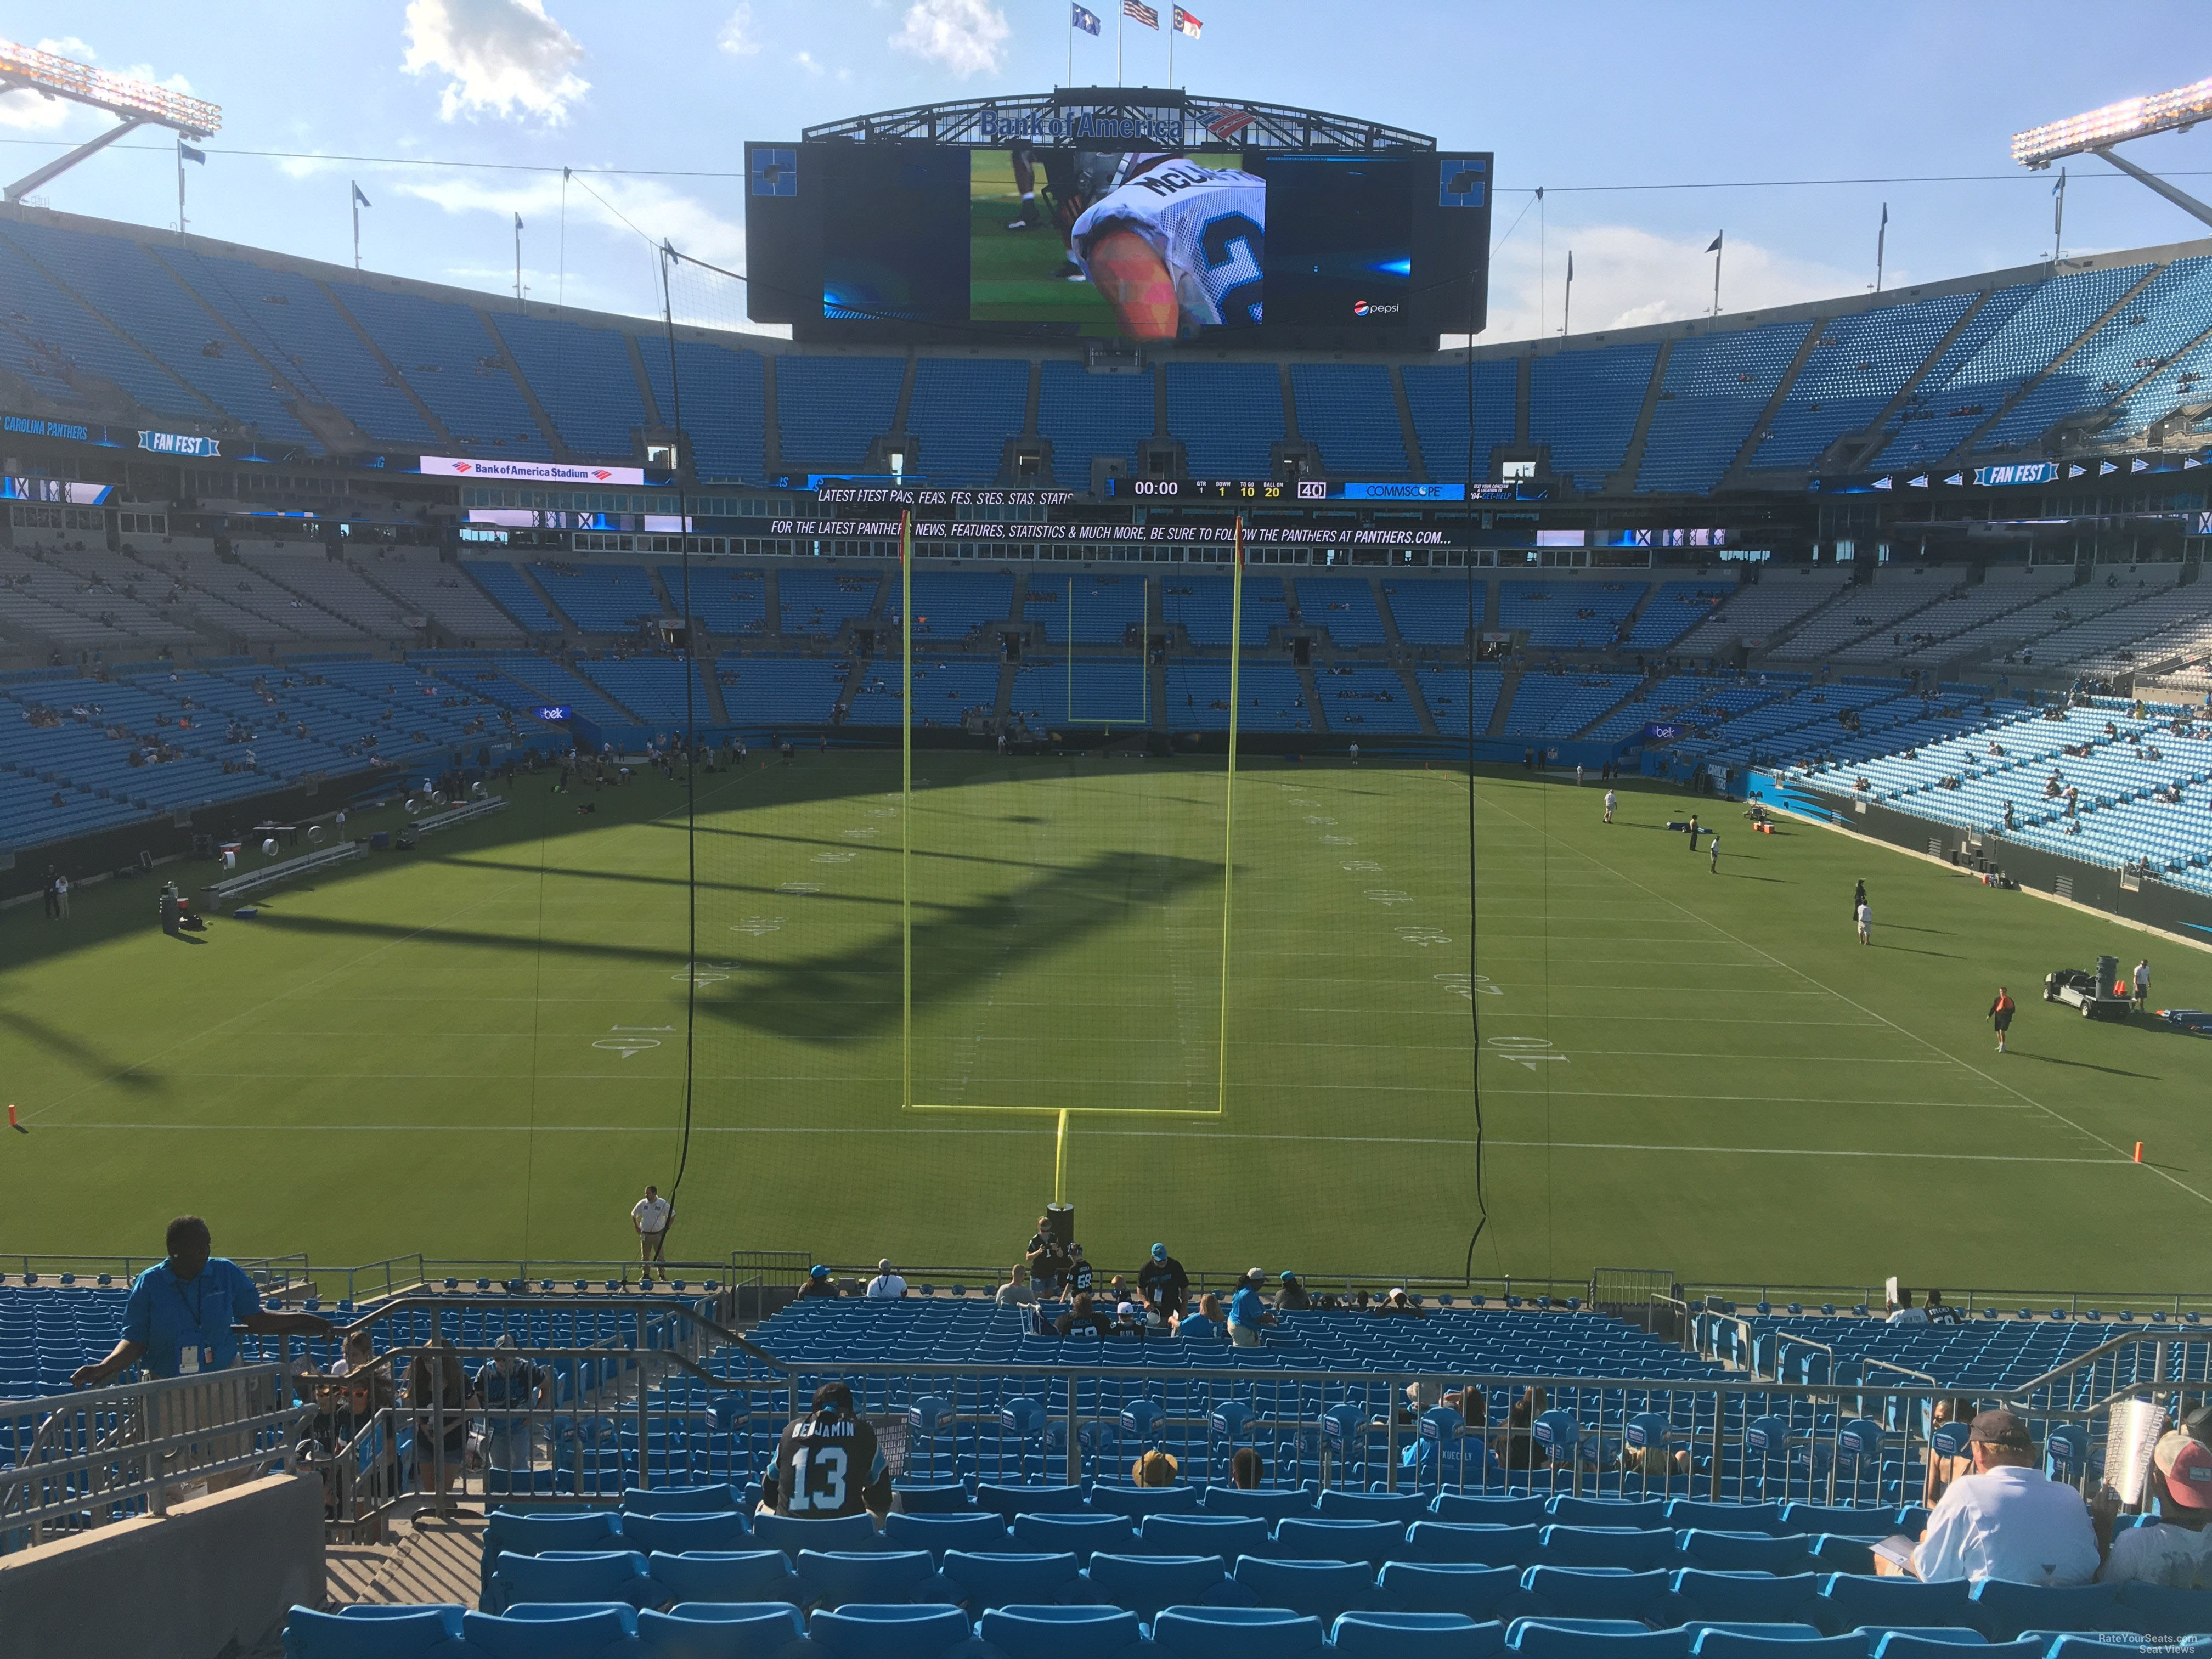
x=963 y=35
x=31 y=112
x=805 y=61
x=70 y=47
x=736 y=36
x=307 y=167
x=1626 y=277
x=497 y=55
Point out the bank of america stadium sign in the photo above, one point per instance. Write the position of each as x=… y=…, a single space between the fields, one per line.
x=469 y=466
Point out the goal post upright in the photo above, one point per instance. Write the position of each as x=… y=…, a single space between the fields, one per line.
x=1229 y=801
x=906 y=801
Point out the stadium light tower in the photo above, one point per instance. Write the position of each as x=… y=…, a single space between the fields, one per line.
x=136 y=103
x=2095 y=133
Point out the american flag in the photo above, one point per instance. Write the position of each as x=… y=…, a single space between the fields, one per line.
x=1187 y=24
x=1140 y=12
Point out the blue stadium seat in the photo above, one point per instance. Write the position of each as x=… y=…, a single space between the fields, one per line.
x=861 y=1631
x=940 y=1532
x=1472 y=1543
x=738 y=1575
x=1317 y=1539
x=525 y=1533
x=1375 y=1505
x=1634 y=1547
x=1747 y=1552
x=1323 y=1589
x=428 y=1632
x=1010 y=1501
x=996 y=1580
x=1226 y=1535
x=1477 y=1592
x=1063 y=1632
x=1684 y=1513
x=1593 y=1639
x=1847 y=1602
x=1269 y=1503
x=681 y=1531
x=719 y=1498
x=1848 y=1523
x=1745 y=1598
x=831 y=1579
x=534 y=1631
x=1647 y=1512
x=566 y=1576
x=1474 y=1510
x=791 y=1534
x=732 y=1630
x=1928 y=1643
x=2156 y=1609
x=1147 y=1583
x=1415 y=1636
x=948 y=1498
x=1139 y=1502
x=1082 y=1533
x=1597 y=1593
x=1237 y=1633
x=1759 y=1641
x=2002 y=1611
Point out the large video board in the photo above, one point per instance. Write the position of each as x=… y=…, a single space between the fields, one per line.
x=910 y=242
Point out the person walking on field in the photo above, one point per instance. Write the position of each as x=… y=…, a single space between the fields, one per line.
x=1713 y=847
x=2000 y=1015
x=1858 y=898
x=2142 y=978
x=1612 y=801
x=1866 y=923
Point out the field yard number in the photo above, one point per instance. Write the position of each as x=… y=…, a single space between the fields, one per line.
x=1531 y=1052
x=630 y=1040
x=706 y=973
x=757 y=926
x=1467 y=985
x=799 y=888
x=1423 y=936
x=1338 y=841
x=1364 y=867
x=866 y=832
x=829 y=1463
x=1313 y=818
x=1388 y=896
x=834 y=858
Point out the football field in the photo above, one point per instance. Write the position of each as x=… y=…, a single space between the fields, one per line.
x=919 y=1020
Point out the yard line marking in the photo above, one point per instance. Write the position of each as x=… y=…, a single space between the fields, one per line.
x=1117 y=1131
x=2056 y=1116
x=1770 y=1100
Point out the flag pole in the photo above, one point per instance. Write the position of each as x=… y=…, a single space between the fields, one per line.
x=518 y=262
x=1172 y=31
x=2058 y=218
x=1719 y=248
x=357 y=227
x=1880 y=246
x=1071 y=48
x=1567 y=306
x=180 y=184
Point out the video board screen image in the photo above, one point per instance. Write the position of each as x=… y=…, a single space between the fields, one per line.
x=921 y=241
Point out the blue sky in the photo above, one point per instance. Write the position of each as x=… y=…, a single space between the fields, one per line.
x=1599 y=102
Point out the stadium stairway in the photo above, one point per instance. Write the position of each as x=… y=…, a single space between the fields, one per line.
x=1506 y=692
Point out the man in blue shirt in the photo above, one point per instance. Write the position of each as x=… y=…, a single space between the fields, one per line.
x=1247 y=1312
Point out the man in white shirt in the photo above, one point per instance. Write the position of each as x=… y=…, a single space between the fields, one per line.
x=1612 y=801
x=2175 y=1549
x=649 y=1215
x=2007 y=1520
x=1902 y=1312
x=886 y=1284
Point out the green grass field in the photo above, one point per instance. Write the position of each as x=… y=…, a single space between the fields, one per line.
x=477 y=1050
x=1011 y=273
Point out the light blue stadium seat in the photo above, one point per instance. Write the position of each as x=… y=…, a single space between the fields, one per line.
x=1237 y=1633
x=1593 y=1639
x=1225 y=1536
x=1403 y=1507
x=588 y=1530
x=1758 y=1642
x=428 y=1632
x=1081 y=1534
x=926 y=1498
x=831 y=1579
x=1684 y=1513
x=1473 y=1544
x=861 y=1631
x=1470 y=1508
x=981 y=1581
x=1323 y=1589
x=1478 y=1593
x=1415 y=1636
x=1924 y=1643
x=1745 y=1552
x=1269 y=1503
x=728 y=1629
x=732 y=1576
x=940 y=1532
x=2002 y=1611
x=1010 y=1501
x=791 y=1534
x=1025 y=1632
x=568 y=1576
x=2157 y=1609
x=1637 y=1549
x=1147 y=1584
x=1139 y=1502
x=1847 y=1602
x=684 y=1530
x=1572 y=1511
x=537 y=1631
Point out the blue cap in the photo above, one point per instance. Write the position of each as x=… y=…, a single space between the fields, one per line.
x=1160 y=1252
x=817 y=1271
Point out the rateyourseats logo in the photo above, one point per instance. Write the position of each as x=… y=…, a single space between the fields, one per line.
x=1371 y=308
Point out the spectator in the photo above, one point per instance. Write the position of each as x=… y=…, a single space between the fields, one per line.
x=1118 y=1291
x=1048 y=1259
x=2001 y=1013
x=818 y=1282
x=1865 y=916
x=1154 y=1469
x=2174 y=1550
x=1902 y=1312
x=1016 y=1291
x=1858 y=897
x=1082 y=1277
x=1401 y=1305
x=1247 y=1313
x=886 y=1286
x=1942 y=1471
x=2142 y=978
x=1129 y=1321
x=1247 y=1470
x=179 y=1322
x=1205 y=1324
x=1165 y=1287
x=2007 y=1520
x=509 y=1388
x=1083 y=1316
x=649 y=1216
x=1292 y=1297
x=1937 y=1313
x=827 y=1463
x=438 y=1393
x=1515 y=1445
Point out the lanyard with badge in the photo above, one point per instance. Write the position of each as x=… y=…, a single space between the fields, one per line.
x=190 y=1356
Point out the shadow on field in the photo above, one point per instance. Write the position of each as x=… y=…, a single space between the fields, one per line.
x=78 y=1052
x=2087 y=1065
x=854 y=992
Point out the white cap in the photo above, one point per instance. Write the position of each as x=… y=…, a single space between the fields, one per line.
x=884 y=1265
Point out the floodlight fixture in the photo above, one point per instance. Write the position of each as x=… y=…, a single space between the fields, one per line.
x=134 y=103
x=2131 y=118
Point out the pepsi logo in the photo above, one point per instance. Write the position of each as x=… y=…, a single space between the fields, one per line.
x=1359 y=308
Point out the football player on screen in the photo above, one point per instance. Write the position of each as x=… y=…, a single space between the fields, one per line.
x=1173 y=245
